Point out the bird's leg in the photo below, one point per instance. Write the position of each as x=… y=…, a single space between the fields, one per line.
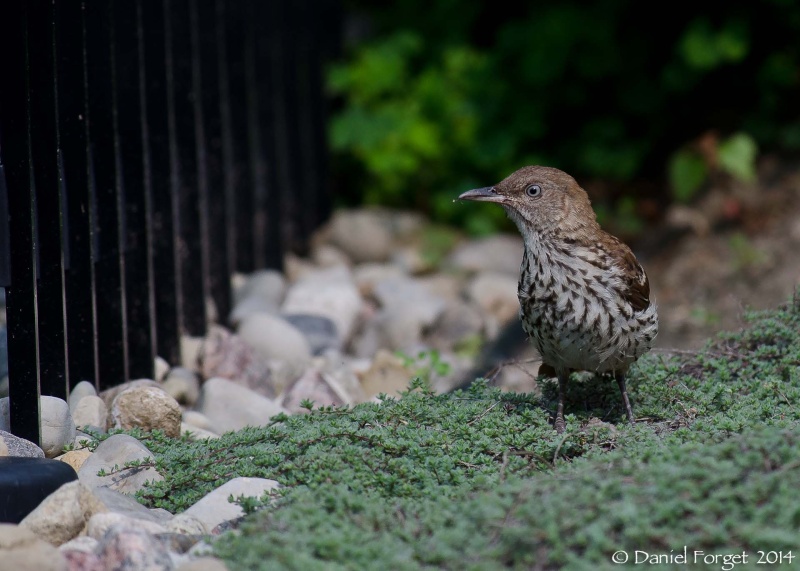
x=560 y=423
x=621 y=382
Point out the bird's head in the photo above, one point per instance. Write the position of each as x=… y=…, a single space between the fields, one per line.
x=540 y=199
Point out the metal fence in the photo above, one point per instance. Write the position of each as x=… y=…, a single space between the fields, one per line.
x=148 y=149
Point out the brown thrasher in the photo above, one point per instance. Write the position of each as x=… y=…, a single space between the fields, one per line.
x=584 y=298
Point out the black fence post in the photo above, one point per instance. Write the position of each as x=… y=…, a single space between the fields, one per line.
x=105 y=182
x=48 y=197
x=137 y=203
x=23 y=364
x=79 y=279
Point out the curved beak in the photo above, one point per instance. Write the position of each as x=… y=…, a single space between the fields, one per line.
x=485 y=194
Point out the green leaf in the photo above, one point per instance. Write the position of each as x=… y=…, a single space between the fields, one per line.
x=687 y=171
x=737 y=156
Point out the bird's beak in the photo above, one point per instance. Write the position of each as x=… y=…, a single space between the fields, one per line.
x=485 y=194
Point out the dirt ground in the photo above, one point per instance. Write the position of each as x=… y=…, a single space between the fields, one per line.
x=737 y=248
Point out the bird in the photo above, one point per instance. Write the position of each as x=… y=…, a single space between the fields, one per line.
x=584 y=298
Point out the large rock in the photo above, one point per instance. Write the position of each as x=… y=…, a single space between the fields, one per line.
x=117 y=450
x=63 y=514
x=110 y=394
x=182 y=385
x=75 y=458
x=273 y=337
x=230 y=406
x=100 y=523
x=368 y=275
x=330 y=293
x=148 y=408
x=22 y=550
x=363 y=235
x=266 y=285
x=214 y=508
x=458 y=321
x=226 y=355
x=57 y=427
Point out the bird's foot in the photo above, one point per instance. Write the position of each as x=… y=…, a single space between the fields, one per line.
x=560 y=424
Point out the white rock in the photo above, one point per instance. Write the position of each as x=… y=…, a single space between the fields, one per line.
x=57 y=427
x=196 y=433
x=148 y=408
x=161 y=368
x=331 y=293
x=22 y=550
x=100 y=523
x=122 y=504
x=198 y=420
x=187 y=524
x=117 y=450
x=250 y=306
x=202 y=564
x=408 y=295
x=81 y=543
x=326 y=256
x=82 y=389
x=267 y=285
x=230 y=406
x=274 y=338
x=317 y=387
x=182 y=385
x=214 y=508
x=500 y=253
x=363 y=235
x=63 y=514
x=190 y=351
x=91 y=411
x=496 y=294
x=367 y=275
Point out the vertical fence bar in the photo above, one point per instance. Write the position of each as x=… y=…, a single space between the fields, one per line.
x=155 y=136
x=269 y=206
x=193 y=286
x=139 y=285
x=23 y=362
x=210 y=153
x=241 y=171
x=44 y=150
x=109 y=264
x=74 y=170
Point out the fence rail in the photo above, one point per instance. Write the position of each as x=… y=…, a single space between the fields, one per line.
x=148 y=149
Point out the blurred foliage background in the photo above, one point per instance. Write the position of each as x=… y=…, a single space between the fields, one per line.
x=639 y=102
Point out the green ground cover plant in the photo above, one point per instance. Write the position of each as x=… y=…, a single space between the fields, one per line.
x=478 y=479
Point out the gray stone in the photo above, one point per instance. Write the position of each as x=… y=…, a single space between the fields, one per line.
x=326 y=256
x=226 y=355
x=496 y=294
x=250 y=306
x=196 y=433
x=82 y=389
x=19 y=447
x=214 y=508
x=499 y=253
x=148 y=408
x=363 y=235
x=458 y=321
x=268 y=285
x=330 y=293
x=182 y=385
x=319 y=331
x=367 y=275
x=274 y=338
x=91 y=410
x=116 y=450
x=22 y=550
x=409 y=295
x=63 y=514
x=198 y=420
x=81 y=543
x=230 y=406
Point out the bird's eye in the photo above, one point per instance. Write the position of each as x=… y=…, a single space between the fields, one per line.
x=533 y=190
